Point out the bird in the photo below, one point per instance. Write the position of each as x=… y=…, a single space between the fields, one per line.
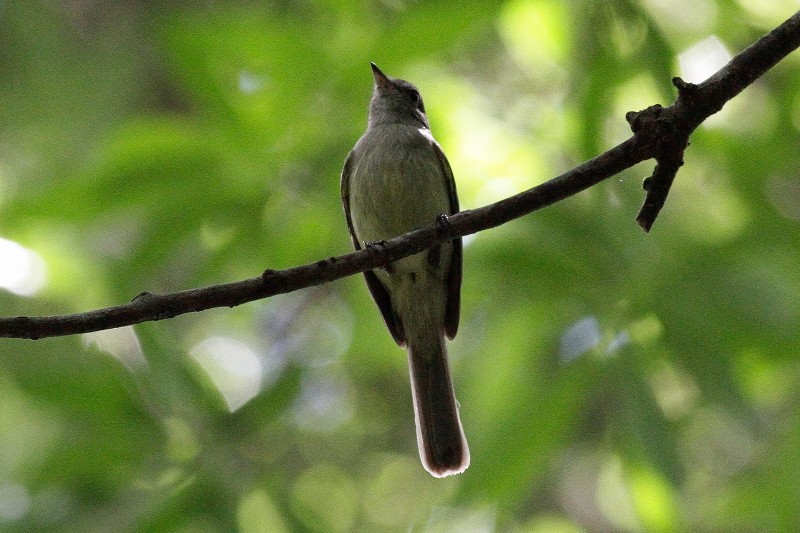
x=397 y=179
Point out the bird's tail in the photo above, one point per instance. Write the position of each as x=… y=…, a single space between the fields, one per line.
x=440 y=437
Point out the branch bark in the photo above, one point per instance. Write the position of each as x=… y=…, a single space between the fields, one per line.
x=658 y=133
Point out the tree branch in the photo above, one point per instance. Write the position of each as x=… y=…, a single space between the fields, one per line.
x=659 y=133
x=670 y=128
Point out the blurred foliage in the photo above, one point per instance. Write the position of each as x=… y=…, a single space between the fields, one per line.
x=608 y=379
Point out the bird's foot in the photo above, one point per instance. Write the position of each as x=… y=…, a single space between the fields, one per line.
x=375 y=246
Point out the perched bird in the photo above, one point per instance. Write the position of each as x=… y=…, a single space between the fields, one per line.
x=397 y=179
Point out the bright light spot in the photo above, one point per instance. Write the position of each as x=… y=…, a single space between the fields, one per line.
x=182 y=443
x=692 y=16
x=703 y=59
x=675 y=392
x=653 y=499
x=486 y=148
x=15 y=501
x=250 y=83
x=621 y=340
x=636 y=93
x=122 y=343
x=763 y=378
x=579 y=338
x=257 y=513
x=496 y=189
x=22 y=271
x=613 y=497
x=233 y=367
x=535 y=33
x=646 y=330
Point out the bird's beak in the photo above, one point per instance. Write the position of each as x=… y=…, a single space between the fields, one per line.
x=381 y=79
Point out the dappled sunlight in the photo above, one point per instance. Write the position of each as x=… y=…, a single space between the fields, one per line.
x=636 y=94
x=585 y=336
x=684 y=16
x=700 y=61
x=498 y=143
x=654 y=499
x=232 y=366
x=608 y=379
x=765 y=380
x=705 y=58
x=250 y=83
x=646 y=330
x=22 y=271
x=606 y=491
x=697 y=63
x=495 y=160
x=674 y=390
x=535 y=34
x=614 y=496
x=579 y=338
x=258 y=508
x=496 y=189
x=15 y=502
x=121 y=343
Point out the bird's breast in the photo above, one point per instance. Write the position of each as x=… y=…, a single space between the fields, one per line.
x=398 y=183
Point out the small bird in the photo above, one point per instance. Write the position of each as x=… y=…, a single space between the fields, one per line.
x=397 y=179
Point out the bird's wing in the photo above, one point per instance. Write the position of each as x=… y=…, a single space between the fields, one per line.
x=453 y=308
x=376 y=288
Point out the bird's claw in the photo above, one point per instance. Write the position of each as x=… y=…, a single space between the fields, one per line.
x=376 y=246
x=443 y=223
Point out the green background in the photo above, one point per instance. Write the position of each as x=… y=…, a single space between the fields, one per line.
x=609 y=380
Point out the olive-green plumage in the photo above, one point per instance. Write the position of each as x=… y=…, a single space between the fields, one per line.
x=397 y=179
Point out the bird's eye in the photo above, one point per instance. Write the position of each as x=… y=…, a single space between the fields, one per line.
x=417 y=99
